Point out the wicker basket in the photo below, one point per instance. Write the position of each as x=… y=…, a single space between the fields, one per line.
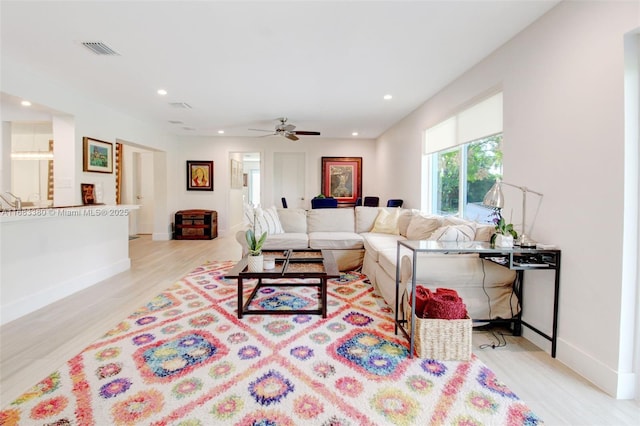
x=440 y=339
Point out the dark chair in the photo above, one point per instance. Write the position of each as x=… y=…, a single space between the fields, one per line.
x=324 y=203
x=371 y=201
x=359 y=201
x=394 y=203
x=284 y=203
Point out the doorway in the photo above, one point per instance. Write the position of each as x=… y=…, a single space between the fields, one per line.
x=289 y=178
x=137 y=187
x=143 y=184
x=249 y=189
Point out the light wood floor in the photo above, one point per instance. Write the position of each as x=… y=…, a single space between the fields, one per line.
x=35 y=345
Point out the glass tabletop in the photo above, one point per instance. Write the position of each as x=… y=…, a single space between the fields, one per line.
x=463 y=247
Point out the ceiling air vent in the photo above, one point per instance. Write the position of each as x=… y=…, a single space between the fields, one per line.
x=180 y=105
x=99 y=48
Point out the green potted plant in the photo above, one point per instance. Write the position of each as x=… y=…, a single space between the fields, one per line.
x=505 y=234
x=255 y=259
x=255 y=244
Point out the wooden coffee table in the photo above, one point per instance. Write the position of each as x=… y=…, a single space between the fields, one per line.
x=311 y=265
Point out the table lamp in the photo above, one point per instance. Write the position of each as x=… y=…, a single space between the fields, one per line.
x=495 y=199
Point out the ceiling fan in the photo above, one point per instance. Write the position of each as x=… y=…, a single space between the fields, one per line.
x=287 y=130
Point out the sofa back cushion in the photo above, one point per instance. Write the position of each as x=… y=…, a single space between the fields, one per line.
x=405 y=219
x=484 y=232
x=422 y=226
x=365 y=218
x=331 y=220
x=293 y=220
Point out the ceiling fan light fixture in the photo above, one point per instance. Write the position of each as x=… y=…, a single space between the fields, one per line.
x=287 y=130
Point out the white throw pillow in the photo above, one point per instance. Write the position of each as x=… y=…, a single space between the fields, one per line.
x=464 y=232
x=267 y=220
x=387 y=222
x=421 y=227
x=248 y=213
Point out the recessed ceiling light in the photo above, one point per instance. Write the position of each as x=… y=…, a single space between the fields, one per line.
x=354 y=134
x=25 y=103
x=387 y=97
x=220 y=132
x=162 y=92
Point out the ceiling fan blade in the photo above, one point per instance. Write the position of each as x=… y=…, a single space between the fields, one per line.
x=289 y=127
x=305 y=133
x=291 y=136
x=262 y=130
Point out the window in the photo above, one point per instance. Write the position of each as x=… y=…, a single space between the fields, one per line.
x=463 y=158
x=461 y=176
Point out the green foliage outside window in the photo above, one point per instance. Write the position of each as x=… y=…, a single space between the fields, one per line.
x=480 y=161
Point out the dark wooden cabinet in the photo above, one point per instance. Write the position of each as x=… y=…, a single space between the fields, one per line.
x=196 y=225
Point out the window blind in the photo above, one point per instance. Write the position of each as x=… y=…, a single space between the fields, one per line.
x=478 y=121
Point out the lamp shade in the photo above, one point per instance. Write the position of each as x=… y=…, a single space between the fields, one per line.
x=494 y=198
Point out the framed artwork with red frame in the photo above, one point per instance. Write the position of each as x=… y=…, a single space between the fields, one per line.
x=342 y=178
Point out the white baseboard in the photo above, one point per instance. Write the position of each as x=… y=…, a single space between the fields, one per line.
x=58 y=291
x=616 y=384
x=161 y=236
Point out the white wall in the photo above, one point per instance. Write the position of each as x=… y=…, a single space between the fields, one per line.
x=217 y=149
x=562 y=80
x=85 y=117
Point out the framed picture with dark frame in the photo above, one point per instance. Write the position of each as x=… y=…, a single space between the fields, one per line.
x=199 y=175
x=342 y=178
x=97 y=155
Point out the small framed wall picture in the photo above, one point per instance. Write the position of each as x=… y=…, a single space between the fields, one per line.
x=88 y=193
x=97 y=155
x=199 y=175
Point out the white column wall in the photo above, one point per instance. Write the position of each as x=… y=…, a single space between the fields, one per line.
x=562 y=80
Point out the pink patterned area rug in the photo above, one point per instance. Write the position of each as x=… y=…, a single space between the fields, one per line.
x=185 y=359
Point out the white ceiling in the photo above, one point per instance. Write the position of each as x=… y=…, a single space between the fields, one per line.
x=239 y=65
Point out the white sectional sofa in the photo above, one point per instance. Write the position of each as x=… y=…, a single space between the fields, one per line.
x=366 y=237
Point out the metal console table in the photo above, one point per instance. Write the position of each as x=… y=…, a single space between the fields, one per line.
x=516 y=258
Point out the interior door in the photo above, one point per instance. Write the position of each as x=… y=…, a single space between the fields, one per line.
x=289 y=179
x=143 y=191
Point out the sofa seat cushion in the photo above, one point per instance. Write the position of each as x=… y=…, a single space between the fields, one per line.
x=375 y=243
x=387 y=261
x=289 y=240
x=335 y=240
